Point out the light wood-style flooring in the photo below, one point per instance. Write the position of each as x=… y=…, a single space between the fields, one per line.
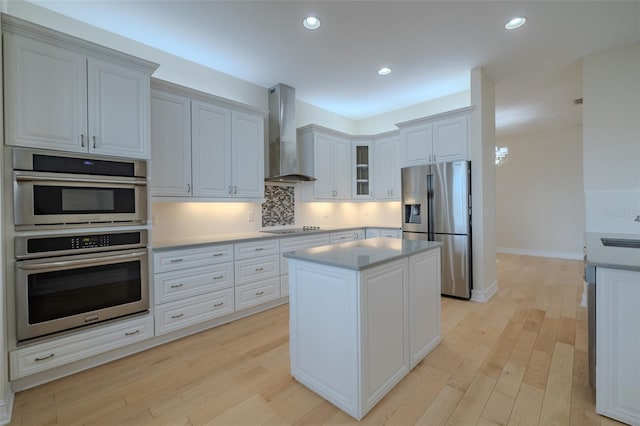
x=520 y=359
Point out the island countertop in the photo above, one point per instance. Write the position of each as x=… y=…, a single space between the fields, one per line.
x=362 y=254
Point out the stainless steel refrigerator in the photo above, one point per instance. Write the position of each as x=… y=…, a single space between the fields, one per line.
x=436 y=206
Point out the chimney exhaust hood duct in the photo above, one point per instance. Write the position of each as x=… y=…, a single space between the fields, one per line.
x=283 y=152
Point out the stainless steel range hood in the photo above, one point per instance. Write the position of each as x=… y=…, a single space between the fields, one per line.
x=283 y=152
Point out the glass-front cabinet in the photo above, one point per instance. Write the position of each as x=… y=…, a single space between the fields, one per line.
x=362 y=179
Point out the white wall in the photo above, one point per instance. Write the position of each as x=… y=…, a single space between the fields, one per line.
x=539 y=194
x=387 y=122
x=611 y=140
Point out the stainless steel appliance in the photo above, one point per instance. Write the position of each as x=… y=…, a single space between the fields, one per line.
x=436 y=206
x=66 y=281
x=55 y=189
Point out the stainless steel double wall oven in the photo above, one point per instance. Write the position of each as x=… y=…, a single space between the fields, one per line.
x=70 y=269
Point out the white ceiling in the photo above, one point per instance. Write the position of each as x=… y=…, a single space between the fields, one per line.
x=430 y=45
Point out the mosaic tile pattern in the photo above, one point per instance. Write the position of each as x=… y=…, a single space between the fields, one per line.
x=279 y=205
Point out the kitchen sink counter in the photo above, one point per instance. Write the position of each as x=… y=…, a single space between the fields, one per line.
x=247 y=236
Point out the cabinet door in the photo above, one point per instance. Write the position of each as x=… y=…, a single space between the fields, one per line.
x=382 y=156
x=362 y=171
x=118 y=110
x=394 y=169
x=45 y=95
x=451 y=139
x=383 y=319
x=417 y=144
x=323 y=166
x=170 y=144
x=342 y=169
x=248 y=155
x=211 y=150
x=618 y=344
x=424 y=304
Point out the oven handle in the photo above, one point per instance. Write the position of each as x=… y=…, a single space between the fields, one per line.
x=31 y=178
x=79 y=262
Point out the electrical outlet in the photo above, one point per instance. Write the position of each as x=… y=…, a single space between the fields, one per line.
x=250 y=216
x=154 y=220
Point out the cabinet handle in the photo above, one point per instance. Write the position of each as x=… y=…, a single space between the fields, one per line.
x=219 y=277
x=343 y=237
x=94 y=141
x=132 y=333
x=229 y=189
x=217 y=305
x=235 y=189
x=176 y=260
x=435 y=158
x=429 y=157
x=392 y=192
x=177 y=285
x=259 y=248
x=188 y=187
x=176 y=316
x=259 y=269
x=259 y=293
x=82 y=140
x=217 y=254
x=44 y=357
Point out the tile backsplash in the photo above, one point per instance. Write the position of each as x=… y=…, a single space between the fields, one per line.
x=279 y=206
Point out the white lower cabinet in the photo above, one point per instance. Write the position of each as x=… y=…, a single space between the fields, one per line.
x=355 y=334
x=256 y=293
x=383 y=233
x=193 y=310
x=345 y=236
x=618 y=344
x=76 y=347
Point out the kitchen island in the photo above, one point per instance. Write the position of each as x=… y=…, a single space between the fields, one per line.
x=362 y=315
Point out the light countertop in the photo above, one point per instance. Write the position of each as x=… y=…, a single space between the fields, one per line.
x=363 y=254
x=246 y=236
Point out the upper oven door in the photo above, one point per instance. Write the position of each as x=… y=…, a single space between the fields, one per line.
x=58 y=198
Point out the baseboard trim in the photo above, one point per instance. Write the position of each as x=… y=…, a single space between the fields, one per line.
x=541 y=253
x=483 y=296
x=6 y=407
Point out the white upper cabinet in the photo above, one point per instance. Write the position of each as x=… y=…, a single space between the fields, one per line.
x=362 y=170
x=204 y=148
x=451 y=139
x=118 y=110
x=170 y=144
x=248 y=155
x=331 y=162
x=211 y=146
x=386 y=171
x=436 y=139
x=66 y=94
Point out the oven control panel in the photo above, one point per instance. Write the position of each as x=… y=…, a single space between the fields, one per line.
x=69 y=244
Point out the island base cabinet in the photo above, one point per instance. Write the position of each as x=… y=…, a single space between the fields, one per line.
x=349 y=331
x=618 y=344
x=424 y=300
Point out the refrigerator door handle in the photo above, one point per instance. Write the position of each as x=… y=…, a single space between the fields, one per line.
x=430 y=218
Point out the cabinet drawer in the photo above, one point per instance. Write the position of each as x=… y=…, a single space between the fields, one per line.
x=172 y=260
x=176 y=285
x=65 y=350
x=193 y=310
x=254 y=294
x=298 y=243
x=284 y=285
x=343 y=237
x=251 y=249
x=257 y=269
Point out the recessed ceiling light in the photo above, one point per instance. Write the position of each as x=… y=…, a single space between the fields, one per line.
x=515 y=22
x=384 y=71
x=311 y=23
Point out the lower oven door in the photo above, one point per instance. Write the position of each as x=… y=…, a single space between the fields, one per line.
x=61 y=293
